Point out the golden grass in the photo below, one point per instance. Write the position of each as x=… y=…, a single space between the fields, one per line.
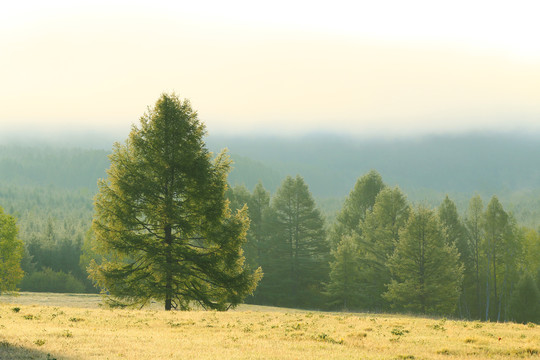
x=87 y=332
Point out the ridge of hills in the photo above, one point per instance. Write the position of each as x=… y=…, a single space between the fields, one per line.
x=425 y=168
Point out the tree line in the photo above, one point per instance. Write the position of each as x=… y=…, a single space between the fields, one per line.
x=482 y=265
x=384 y=254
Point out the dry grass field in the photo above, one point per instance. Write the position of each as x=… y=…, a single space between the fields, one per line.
x=52 y=326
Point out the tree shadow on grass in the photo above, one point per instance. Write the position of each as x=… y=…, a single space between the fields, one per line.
x=13 y=352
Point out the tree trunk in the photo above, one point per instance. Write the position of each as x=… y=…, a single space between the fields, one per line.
x=168 y=271
x=487 y=290
x=478 y=302
x=495 y=297
x=503 y=291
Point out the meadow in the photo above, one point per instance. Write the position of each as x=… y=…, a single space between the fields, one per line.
x=70 y=327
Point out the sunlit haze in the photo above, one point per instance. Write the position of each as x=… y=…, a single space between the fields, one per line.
x=286 y=67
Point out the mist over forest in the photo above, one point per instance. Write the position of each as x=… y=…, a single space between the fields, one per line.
x=426 y=168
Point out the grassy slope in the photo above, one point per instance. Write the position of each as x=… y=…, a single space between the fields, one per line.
x=79 y=330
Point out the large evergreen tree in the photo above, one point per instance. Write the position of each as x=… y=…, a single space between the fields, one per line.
x=163 y=217
x=380 y=234
x=495 y=227
x=426 y=271
x=11 y=253
x=455 y=234
x=475 y=234
x=296 y=263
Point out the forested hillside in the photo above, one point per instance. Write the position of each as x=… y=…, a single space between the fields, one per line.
x=50 y=191
x=425 y=168
x=455 y=164
x=52 y=166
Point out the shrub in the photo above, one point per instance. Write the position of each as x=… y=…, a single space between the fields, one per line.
x=52 y=281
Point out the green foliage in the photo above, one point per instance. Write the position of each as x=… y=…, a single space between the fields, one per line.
x=455 y=234
x=380 y=234
x=49 y=280
x=257 y=238
x=526 y=300
x=257 y=204
x=502 y=251
x=297 y=259
x=495 y=223
x=163 y=219
x=344 y=290
x=531 y=251
x=475 y=235
x=360 y=200
x=11 y=253
x=453 y=228
x=426 y=271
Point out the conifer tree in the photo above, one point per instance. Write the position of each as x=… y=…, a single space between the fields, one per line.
x=297 y=260
x=162 y=217
x=426 y=271
x=380 y=234
x=11 y=253
x=454 y=233
x=258 y=203
x=344 y=289
x=360 y=200
x=474 y=227
x=495 y=227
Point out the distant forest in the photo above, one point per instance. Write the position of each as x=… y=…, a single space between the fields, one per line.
x=50 y=189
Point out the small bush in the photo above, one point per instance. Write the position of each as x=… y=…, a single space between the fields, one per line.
x=16 y=309
x=444 y=352
x=358 y=335
x=326 y=338
x=399 y=331
x=527 y=352
x=39 y=342
x=439 y=327
x=52 y=281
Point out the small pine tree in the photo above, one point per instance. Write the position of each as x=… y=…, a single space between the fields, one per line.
x=344 y=289
x=426 y=271
x=11 y=253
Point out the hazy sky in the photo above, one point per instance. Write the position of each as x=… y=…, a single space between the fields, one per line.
x=354 y=67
